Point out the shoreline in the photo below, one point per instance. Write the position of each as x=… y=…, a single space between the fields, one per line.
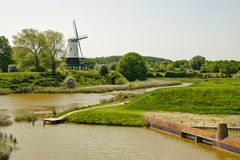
x=104 y=88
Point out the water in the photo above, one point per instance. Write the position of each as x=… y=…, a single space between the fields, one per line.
x=88 y=142
x=21 y=103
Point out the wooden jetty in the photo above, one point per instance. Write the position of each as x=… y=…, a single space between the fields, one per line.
x=53 y=120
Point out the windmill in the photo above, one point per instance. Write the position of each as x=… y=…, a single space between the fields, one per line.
x=74 y=50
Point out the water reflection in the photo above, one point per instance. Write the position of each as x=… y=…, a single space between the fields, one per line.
x=21 y=103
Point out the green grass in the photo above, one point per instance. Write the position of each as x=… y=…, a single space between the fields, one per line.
x=6 y=147
x=27 y=82
x=212 y=96
x=108 y=88
x=89 y=81
x=114 y=116
x=26 y=118
x=5 y=120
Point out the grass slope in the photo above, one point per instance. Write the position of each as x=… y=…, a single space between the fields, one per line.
x=115 y=116
x=25 y=82
x=213 y=96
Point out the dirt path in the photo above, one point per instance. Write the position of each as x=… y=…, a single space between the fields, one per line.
x=184 y=84
x=91 y=108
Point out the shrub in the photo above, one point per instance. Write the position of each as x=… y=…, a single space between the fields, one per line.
x=150 y=74
x=158 y=75
x=26 y=118
x=69 y=82
x=116 y=78
x=103 y=70
x=5 y=120
x=12 y=68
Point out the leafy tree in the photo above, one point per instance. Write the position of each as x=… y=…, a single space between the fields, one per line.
x=33 y=41
x=53 y=46
x=23 y=58
x=113 y=65
x=103 y=70
x=5 y=54
x=179 y=63
x=228 y=67
x=132 y=66
x=196 y=62
x=209 y=66
x=89 y=63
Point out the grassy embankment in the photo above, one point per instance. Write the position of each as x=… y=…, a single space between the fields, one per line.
x=46 y=82
x=212 y=96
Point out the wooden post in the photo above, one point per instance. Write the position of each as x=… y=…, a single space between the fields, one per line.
x=198 y=139
x=183 y=135
x=222 y=131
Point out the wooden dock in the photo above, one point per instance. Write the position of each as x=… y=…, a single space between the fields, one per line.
x=53 y=120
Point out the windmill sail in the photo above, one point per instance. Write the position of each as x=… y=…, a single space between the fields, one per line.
x=74 y=46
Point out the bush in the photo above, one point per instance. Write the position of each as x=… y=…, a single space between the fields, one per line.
x=26 y=118
x=12 y=68
x=116 y=78
x=181 y=74
x=121 y=80
x=150 y=74
x=158 y=75
x=103 y=70
x=5 y=120
x=69 y=82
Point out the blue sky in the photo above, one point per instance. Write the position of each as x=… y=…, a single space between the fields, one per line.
x=174 y=29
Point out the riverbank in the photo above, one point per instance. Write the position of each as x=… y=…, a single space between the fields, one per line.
x=86 y=82
x=109 y=88
x=213 y=96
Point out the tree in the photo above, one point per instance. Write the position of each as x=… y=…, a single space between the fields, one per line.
x=103 y=70
x=196 y=62
x=228 y=67
x=5 y=54
x=179 y=63
x=89 y=63
x=23 y=58
x=132 y=66
x=33 y=41
x=53 y=46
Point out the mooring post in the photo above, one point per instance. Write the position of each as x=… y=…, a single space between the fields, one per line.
x=44 y=122
x=222 y=131
x=198 y=139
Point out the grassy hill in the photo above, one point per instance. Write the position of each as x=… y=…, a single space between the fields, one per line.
x=27 y=81
x=213 y=96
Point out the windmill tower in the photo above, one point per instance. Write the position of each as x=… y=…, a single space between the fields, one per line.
x=74 y=50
